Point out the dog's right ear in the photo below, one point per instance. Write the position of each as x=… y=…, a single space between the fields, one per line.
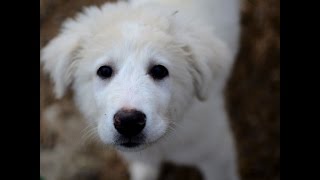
x=57 y=58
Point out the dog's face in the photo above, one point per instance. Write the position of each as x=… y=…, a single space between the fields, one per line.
x=134 y=78
x=133 y=82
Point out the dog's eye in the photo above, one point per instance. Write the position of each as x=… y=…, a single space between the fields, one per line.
x=158 y=72
x=104 y=72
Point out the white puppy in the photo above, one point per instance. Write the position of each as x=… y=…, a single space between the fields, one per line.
x=149 y=75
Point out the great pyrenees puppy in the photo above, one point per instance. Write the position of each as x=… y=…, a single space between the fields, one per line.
x=149 y=75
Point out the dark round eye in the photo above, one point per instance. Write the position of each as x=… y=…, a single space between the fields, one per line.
x=104 y=72
x=158 y=72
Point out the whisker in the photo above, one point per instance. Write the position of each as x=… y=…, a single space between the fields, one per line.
x=89 y=134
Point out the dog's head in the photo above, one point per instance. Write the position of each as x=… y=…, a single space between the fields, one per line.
x=134 y=72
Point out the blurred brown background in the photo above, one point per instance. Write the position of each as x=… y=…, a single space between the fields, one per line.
x=67 y=148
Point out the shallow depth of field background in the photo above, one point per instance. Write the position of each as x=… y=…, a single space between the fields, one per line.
x=69 y=152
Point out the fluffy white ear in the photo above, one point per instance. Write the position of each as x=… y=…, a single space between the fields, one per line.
x=209 y=60
x=57 y=58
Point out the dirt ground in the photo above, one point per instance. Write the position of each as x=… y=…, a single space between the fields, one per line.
x=67 y=146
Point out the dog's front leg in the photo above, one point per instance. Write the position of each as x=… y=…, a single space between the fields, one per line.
x=143 y=171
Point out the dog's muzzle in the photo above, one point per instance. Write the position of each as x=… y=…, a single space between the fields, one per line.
x=129 y=124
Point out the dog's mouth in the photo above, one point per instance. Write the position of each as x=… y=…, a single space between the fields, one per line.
x=130 y=144
x=133 y=143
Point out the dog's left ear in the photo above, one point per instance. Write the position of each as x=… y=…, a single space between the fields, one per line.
x=209 y=60
x=57 y=58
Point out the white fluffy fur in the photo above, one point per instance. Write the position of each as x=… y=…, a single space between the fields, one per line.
x=196 y=40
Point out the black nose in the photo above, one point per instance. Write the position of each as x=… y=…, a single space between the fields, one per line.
x=129 y=122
